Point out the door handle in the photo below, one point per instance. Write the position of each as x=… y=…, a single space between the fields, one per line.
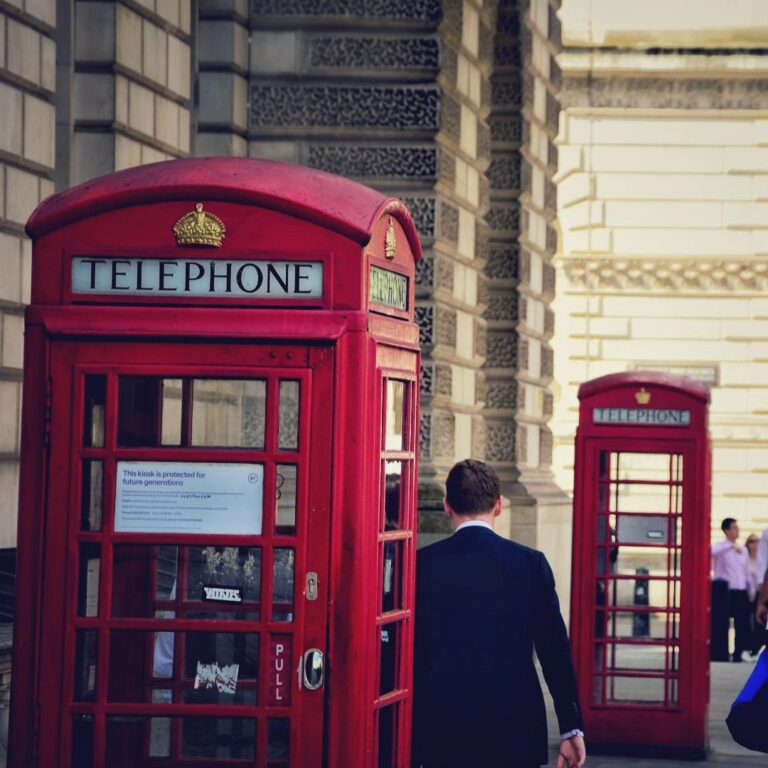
x=313 y=673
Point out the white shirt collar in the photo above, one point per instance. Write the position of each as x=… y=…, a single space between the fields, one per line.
x=478 y=523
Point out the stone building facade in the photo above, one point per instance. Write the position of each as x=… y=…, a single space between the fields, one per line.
x=663 y=204
x=450 y=104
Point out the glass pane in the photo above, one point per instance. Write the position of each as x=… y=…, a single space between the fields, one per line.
x=93 y=482
x=129 y=739
x=86 y=656
x=167 y=568
x=220 y=668
x=146 y=577
x=393 y=483
x=641 y=624
x=650 y=499
x=636 y=561
x=286 y=498
x=392 y=578
x=645 y=529
x=288 y=434
x=647 y=690
x=138 y=417
x=629 y=593
x=282 y=595
x=224 y=666
x=646 y=466
x=387 y=736
x=228 y=413
x=88 y=591
x=279 y=740
x=238 y=567
x=623 y=657
x=95 y=405
x=160 y=737
x=389 y=653
x=173 y=393
x=82 y=741
x=395 y=420
x=219 y=738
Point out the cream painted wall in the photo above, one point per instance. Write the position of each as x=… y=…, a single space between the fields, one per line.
x=665 y=23
x=664 y=263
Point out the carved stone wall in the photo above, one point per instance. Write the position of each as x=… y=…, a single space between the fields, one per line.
x=461 y=243
x=394 y=93
x=524 y=122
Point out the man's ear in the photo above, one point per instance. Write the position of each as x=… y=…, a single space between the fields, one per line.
x=497 y=508
x=447 y=507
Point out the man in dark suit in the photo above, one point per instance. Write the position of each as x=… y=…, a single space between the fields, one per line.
x=483 y=605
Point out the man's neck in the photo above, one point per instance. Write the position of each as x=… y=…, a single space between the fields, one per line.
x=488 y=518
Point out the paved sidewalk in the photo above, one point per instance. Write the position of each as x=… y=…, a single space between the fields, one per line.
x=727 y=680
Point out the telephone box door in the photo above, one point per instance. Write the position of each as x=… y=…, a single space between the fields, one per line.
x=642 y=612
x=188 y=508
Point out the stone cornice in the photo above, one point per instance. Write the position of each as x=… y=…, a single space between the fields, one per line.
x=606 y=79
x=578 y=62
x=665 y=93
x=666 y=275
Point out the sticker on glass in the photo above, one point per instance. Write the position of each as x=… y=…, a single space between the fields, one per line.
x=210 y=676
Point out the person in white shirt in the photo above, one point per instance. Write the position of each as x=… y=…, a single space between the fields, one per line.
x=753 y=590
x=731 y=564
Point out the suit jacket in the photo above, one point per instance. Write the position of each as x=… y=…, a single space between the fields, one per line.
x=483 y=605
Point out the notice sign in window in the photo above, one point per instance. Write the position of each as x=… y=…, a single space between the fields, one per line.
x=177 y=497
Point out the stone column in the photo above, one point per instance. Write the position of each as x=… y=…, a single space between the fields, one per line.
x=451 y=315
x=521 y=276
x=391 y=93
x=27 y=130
x=223 y=78
x=130 y=75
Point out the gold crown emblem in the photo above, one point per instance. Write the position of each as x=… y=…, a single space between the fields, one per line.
x=643 y=397
x=199 y=227
x=390 y=244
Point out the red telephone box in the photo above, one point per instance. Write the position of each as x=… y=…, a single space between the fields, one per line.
x=219 y=473
x=640 y=590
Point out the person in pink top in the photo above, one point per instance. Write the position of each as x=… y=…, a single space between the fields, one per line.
x=730 y=563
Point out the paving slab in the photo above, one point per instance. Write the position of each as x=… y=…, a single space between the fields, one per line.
x=726 y=682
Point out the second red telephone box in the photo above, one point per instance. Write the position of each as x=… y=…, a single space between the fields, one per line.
x=641 y=559
x=219 y=473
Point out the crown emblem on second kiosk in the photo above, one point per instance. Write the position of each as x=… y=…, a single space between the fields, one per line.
x=643 y=396
x=199 y=227
x=390 y=241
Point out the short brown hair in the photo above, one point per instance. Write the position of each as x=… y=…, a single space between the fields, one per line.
x=472 y=488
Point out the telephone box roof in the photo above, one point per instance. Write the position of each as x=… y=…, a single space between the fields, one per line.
x=645 y=378
x=343 y=206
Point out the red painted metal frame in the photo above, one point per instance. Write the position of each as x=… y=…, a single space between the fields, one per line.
x=177 y=362
x=271 y=211
x=680 y=725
